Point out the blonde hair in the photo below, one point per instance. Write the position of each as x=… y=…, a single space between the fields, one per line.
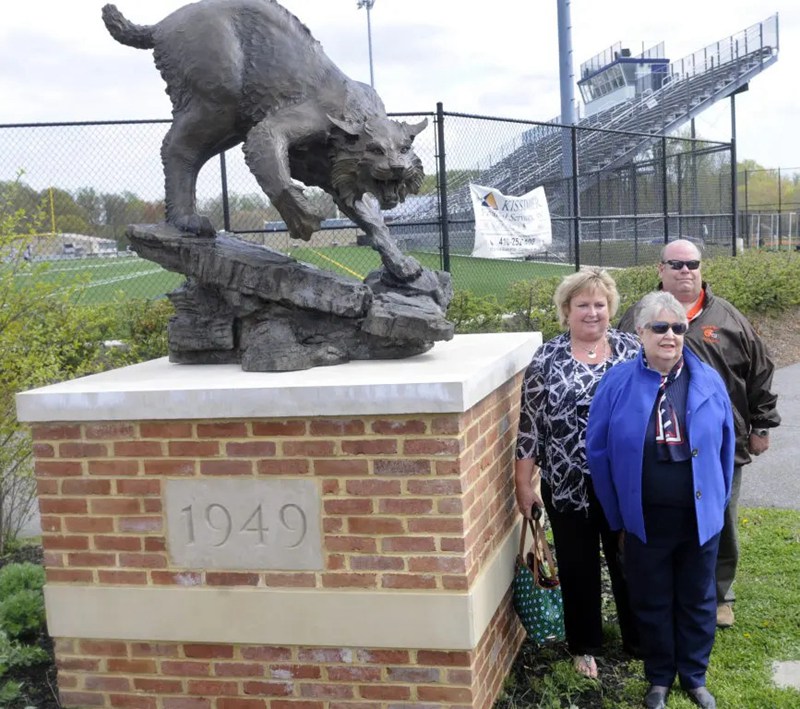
x=586 y=280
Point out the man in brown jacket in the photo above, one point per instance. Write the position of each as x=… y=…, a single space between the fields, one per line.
x=723 y=338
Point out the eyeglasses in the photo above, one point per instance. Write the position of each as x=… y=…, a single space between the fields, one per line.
x=677 y=265
x=660 y=327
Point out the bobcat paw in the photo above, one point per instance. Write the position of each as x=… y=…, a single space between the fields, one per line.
x=196 y=224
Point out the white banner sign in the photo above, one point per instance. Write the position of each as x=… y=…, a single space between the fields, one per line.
x=510 y=227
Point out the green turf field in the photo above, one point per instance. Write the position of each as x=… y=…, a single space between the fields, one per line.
x=481 y=276
x=103 y=279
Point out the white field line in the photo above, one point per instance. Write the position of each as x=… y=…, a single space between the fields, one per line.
x=106 y=281
x=128 y=277
x=86 y=267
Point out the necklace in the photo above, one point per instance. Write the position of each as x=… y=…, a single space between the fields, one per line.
x=591 y=352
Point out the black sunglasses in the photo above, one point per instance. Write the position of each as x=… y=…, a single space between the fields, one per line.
x=660 y=327
x=677 y=265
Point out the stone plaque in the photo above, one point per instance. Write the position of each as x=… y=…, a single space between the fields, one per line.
x=244 y=524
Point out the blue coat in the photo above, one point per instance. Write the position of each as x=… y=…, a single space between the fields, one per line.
x=615 y=435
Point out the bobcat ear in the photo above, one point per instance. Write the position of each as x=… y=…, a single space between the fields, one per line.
x=416 y=128
x=346 y=126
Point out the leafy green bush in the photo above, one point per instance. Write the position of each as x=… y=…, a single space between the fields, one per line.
x=22 y=618
x=145 y=328
x=531 y=303
x=22 y=614
x=13 y=655
x=21 y=600
x=48 y=334
x=20 y=577
x=756 y=282
x=473 y=313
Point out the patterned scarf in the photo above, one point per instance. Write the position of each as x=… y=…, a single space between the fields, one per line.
x=671 y=442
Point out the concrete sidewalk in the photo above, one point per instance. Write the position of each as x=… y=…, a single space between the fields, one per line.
x=773 y=479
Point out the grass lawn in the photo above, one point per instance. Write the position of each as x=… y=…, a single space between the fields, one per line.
x=767 y=629
x=102 y=279
x=105 y=278
x=480 y=276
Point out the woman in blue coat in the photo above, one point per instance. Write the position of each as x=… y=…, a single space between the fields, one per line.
x=659 y=446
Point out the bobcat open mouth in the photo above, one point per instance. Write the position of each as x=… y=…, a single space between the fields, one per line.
x=387 y=192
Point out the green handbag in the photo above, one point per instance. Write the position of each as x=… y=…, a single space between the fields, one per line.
x=536 y=588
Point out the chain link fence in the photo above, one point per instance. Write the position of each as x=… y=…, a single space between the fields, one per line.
x=769 y=207
x=81 y=184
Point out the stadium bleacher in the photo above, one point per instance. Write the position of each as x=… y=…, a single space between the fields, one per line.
x=618 y=134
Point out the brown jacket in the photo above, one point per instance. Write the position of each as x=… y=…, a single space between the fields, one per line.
x=722 y=337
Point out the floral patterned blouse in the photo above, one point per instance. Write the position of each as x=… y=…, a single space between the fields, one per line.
x=556 y=394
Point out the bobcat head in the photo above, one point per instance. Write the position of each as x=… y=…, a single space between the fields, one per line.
x=375 y=156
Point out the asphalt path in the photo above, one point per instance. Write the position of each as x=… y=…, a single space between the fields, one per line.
x=773 y=479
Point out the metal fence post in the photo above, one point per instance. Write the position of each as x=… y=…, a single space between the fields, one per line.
x=599 y=223
x=576 y=199
x=664 y=195
x=780 y=210
x=635 y=196
x=734 y=196
x=746 y=212
x=226 y=207
x=444 y=229
x=679 y=180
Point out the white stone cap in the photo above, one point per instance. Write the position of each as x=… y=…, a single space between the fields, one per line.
x=450 y=378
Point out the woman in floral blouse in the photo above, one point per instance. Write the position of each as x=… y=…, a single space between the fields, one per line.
x=551 y=468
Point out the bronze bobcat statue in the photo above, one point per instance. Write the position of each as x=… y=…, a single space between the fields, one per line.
x=249 y=71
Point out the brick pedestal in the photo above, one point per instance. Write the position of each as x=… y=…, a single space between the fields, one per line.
x=410 y=464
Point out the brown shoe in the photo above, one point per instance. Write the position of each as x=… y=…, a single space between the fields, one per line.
x=725 y=616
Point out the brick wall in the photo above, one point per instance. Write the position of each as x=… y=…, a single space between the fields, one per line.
x=408 y=503
x=103 y=673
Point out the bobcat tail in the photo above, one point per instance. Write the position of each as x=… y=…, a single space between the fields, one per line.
x=125 y=32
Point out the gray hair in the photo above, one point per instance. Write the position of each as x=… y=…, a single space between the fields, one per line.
x=653 y=303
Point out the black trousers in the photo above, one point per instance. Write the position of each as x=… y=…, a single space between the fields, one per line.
x=578 y=536
x=673 y=594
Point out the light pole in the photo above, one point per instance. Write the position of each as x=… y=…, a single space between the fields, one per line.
x=368 y=4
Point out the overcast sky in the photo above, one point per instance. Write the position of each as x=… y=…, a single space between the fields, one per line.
x=499 y=58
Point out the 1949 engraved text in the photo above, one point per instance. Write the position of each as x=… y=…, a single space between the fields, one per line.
x=243 y=524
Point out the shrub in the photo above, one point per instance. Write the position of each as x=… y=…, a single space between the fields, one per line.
x=22 y=614
x=48 y=335
x=20 y=577
x=21 y=600
x=473 y=313
x=756 y=282
x=145 y=331
x=12 y=656
x=531 y=303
